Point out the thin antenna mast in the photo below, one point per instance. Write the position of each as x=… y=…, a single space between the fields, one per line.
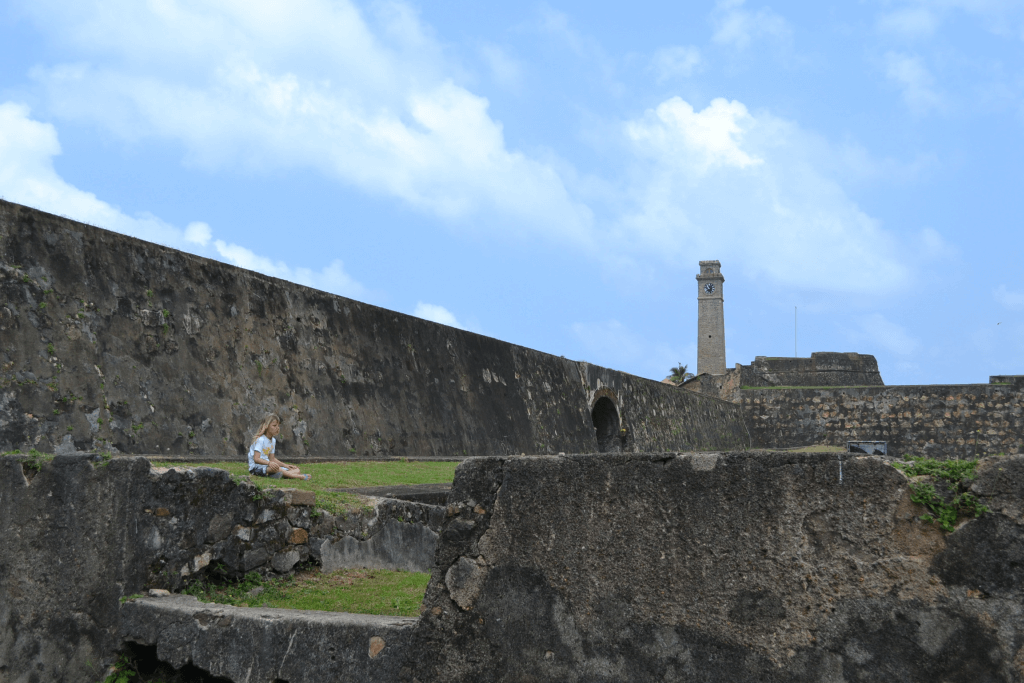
x=794 y=334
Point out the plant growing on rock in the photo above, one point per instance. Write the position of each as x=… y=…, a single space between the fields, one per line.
x=945 y=508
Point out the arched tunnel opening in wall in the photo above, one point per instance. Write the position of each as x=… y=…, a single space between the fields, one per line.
x=606 y=424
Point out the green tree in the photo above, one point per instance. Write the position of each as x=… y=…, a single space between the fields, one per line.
x=679 y=374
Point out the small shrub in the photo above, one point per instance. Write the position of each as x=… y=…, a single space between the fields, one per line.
x=36 y=460
x=956 y=474
x=123 y=671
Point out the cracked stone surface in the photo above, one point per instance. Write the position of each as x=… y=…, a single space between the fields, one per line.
x=719 y=567
x=266 y=645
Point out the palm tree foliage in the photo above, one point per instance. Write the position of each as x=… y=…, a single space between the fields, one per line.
x=679 y=374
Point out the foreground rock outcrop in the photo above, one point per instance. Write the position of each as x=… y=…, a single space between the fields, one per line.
x=720 y=567
x=647 y=567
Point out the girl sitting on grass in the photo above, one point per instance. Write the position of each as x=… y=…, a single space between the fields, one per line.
x=262 y=460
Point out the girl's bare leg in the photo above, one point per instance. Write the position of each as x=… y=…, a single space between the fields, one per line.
x=293 y=468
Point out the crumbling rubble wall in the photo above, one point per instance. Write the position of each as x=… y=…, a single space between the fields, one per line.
x=720 y=567
x=79 y=534
x=109 y=343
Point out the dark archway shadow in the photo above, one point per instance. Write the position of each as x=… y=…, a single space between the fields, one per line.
x=606 y=423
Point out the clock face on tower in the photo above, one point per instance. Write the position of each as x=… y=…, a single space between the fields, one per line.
x=709 y=288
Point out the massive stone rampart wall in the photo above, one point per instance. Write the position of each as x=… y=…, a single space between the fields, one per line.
x=941 y=421
x=108 y=342
x=720 y=567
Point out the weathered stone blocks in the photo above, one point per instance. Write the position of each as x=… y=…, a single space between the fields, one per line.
x=944 y=422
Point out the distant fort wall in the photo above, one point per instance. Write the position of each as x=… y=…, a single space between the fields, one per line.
x=111 y=343
x=822 y=369
x=939 y=421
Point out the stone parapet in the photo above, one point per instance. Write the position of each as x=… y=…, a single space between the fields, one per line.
x=267 y=645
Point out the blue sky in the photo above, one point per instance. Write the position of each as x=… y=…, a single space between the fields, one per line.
x=551 y=173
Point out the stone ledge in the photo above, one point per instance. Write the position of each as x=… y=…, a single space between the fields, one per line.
x=265 y=645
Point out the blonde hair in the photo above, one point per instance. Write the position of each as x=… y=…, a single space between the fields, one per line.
x=267 y=419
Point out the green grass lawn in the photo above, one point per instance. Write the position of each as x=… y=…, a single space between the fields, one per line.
x=362 y=591
x=343 y=475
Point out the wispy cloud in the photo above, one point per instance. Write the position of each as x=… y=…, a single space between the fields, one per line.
x=505 y=70
x=1009 y=298
x=877 y=330
x=437 y=314
x=609 y=342
x=27 y=176
x=908 y=22
x=737 y=27
x=922 y=18
x=368 y=100
x=914 y=80
x=675 y=62
x=308 y=84
x=750 y=188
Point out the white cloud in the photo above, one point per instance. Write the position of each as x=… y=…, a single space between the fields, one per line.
x=505 y=70
x=27 y=176
x=724 y=183
x=437 y=314
x=934 y=246
x=909 y=22
x=332 y=278
x=921 y=18
x=315 y=84
x=914 y=79
x=675 y=62
x=610 y=343
x=1009 y=298
x=735 y=26
x=876 y=329
x=307 y=84
x=696 y=140
x=198 y=233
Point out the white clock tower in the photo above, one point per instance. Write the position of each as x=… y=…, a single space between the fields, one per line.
x=710 y=319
